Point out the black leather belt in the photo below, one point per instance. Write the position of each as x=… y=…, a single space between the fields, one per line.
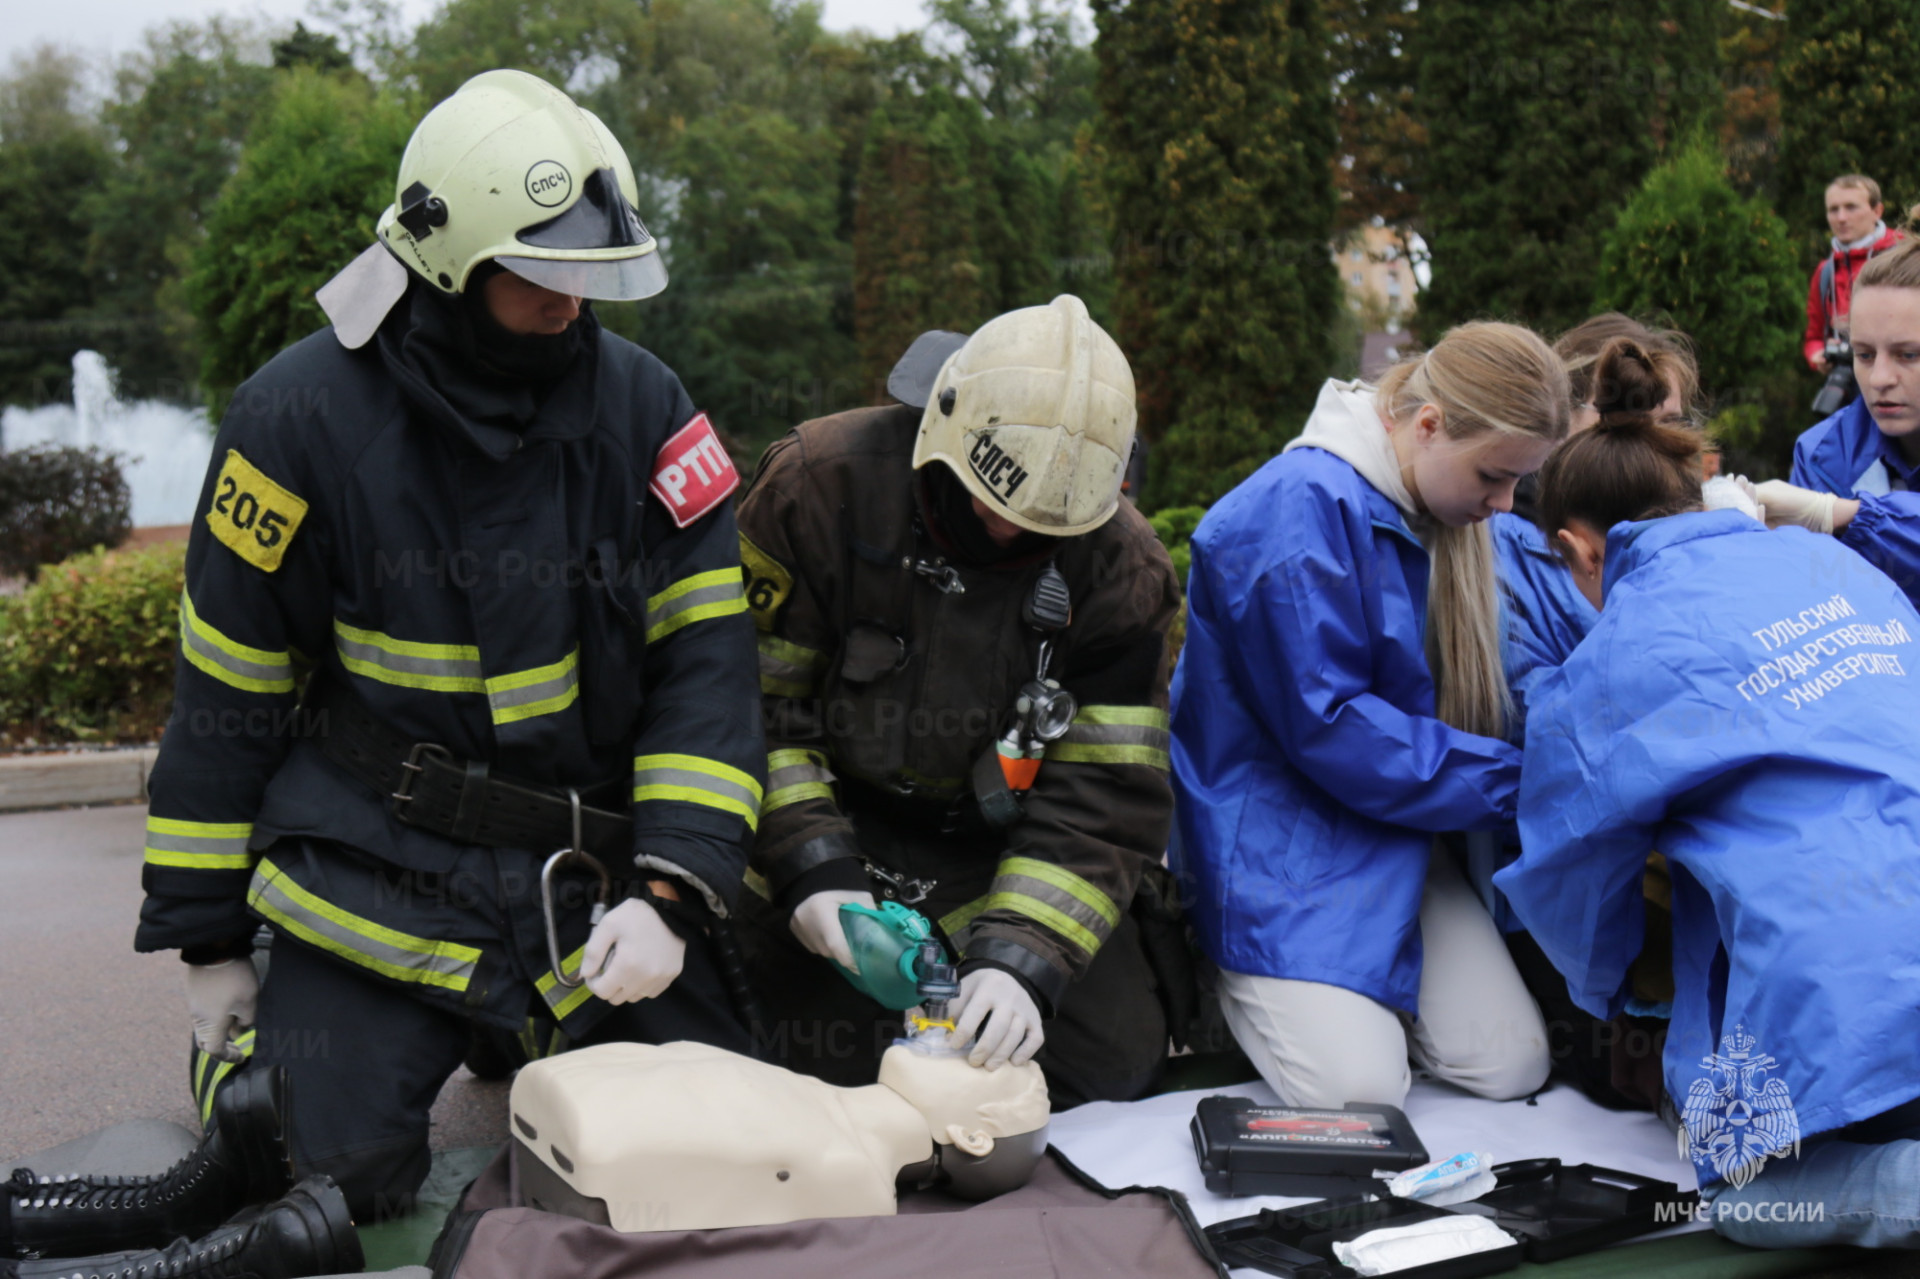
x=426 y=786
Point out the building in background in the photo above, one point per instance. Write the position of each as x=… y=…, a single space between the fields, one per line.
x=1378 y=273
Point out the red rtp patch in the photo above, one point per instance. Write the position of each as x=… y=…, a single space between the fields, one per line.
x=693 y=473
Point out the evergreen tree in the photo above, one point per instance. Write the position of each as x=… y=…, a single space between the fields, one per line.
x=311 y=183
x=1719 y=266
x=1848 y=101
x=1542 y=117
x=1216 y=139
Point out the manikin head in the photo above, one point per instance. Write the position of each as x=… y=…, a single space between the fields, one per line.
x=1886 y=343
x=1630 y=466
x=989 y=1127
x=1853 y=206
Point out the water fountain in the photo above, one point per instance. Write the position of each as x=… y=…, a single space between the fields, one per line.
x=163 y=448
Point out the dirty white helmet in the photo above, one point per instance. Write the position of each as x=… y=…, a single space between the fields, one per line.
x=1035 y=414
x=512 y=169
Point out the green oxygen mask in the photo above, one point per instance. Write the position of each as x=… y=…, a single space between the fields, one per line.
x=886 y=945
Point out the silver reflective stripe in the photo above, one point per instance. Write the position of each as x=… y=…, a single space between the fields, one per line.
x=694 y=780
x=795 y=775
x=198 y=845
x=786 y=668
x=441 y=668
x=252 y=670
x=720 y=593
x=1116 y=735
x=540 y=691
x=387 y=951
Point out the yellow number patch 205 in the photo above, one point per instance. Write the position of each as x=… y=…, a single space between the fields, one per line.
x=252 y=515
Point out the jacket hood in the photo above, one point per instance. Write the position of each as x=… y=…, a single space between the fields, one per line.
x=1345 y=423
x=1632 y=543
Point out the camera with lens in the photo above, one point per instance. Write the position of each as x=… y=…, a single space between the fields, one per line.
x=1839 y=388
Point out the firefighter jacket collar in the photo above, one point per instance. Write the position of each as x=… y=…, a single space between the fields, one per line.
x=449 y=366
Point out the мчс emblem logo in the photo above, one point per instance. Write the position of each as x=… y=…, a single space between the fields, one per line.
x=1736 y=1118
x=549 y=184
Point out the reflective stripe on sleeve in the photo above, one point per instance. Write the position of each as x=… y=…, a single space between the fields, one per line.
x=1050 y=895
x=720 y=593
x=384 y=950
x=438 y=668
x=564 y=1001
x=1116 y=735
x=198 y=845
x=786 y=668
x=796 y=775
x=251 y=670
x=540 y=691
x=693 y=780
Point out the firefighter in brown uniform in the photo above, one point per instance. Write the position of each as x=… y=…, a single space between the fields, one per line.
x=940 y=592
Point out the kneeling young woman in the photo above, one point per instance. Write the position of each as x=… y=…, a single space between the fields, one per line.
x=1749 y=704
x=1316 y=761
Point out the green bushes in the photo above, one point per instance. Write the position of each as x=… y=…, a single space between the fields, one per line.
x=86 y=654
x=55 y=501
x=1174 y=527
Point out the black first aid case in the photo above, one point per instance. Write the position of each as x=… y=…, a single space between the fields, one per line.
x=1249 y=1149
x=1552 y=1210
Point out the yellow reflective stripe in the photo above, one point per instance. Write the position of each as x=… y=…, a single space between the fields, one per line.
x=796 y=775
x=720 y=593
x=206 y=1087
x=1116 y=735
x=387 y=951
x=693 y=780
x=198 y=845
x=251 y=670
x=1033 y=908
x=562 y=1000
x=437 y=668
x=540 y=691
x=1067 y=882
x=787 y=669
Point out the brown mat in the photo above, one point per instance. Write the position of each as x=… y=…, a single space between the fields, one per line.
x=1059 y=1226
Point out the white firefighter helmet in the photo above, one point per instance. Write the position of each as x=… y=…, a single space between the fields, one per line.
x=1035 y=414
x=512 y=169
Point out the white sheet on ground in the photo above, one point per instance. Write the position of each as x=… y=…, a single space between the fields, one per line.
x=1147 y=1143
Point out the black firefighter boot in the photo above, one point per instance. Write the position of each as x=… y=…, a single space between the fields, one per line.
x=307 y=1233
x=245 y=1160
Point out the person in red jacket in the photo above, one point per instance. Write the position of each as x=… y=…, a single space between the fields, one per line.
x=1853 y=215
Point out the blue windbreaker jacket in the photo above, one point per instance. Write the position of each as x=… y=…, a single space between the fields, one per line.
x=1543 y=615
x=1847 y=455
x=1748 y=704
x=1310 y=770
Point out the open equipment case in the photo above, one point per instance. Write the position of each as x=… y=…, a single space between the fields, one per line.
x=1553 y=1210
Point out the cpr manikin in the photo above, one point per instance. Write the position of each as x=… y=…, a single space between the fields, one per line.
x=685 y=1136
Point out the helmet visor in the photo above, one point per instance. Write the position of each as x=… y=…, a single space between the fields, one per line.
x=619 y=280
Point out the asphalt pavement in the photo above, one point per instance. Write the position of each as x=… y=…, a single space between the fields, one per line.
x=94 y=1033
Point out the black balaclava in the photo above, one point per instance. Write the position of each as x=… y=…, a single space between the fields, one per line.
x=454 y=360
x=947 y=507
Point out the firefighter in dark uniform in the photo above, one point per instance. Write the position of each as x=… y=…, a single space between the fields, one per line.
x=911 y=572
x=496 y=541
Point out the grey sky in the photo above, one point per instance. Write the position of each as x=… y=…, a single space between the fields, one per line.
x=109 y=27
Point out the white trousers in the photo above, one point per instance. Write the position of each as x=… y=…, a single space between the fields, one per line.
x=1322 y=1046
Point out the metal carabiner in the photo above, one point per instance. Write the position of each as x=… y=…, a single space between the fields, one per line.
x=575 y=853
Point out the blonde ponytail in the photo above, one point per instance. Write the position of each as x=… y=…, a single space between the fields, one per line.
x=1483 y=377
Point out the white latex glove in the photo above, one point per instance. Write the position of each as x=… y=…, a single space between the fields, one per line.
x=632 y=954
x=1788 y=504
x=1012 y=1031
x=220 y=999
x=816 y=922
x=1733 y=493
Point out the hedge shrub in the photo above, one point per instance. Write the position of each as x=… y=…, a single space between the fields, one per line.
x=86 y=654
x=56 y=501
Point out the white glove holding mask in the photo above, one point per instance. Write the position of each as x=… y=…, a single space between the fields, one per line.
x=1789 y=504
x=632 y=954
x=1012 y=1030
x=220 y=999
x=1733 y=493
x=816 y=922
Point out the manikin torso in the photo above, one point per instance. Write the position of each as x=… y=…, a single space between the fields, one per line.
x=686 y=1136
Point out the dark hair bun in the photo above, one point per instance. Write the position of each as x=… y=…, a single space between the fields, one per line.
x=1626 y=385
